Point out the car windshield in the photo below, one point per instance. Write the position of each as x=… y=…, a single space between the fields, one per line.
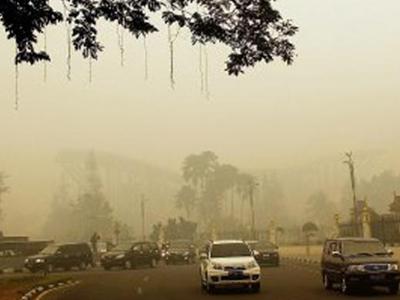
x=122 y=247
x=363 y=248
x=49 y=250
x=230 y=250
x=261 y=245
x=179 y=244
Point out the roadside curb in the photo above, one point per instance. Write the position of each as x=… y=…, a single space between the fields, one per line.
x=40 y=290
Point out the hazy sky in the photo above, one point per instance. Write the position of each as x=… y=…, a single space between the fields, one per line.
x=341 y=93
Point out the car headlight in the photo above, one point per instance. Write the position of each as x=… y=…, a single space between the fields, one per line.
x=39 y=260
x=356 y=268
x=256 y=253
x=216 y=266
x=186 y=253
x=252 y=265
x=393 y=267
x=119 y=256
x=27 y=260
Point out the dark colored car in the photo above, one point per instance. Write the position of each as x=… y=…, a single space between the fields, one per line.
x=265 y=253
x=180 y=251
x=356 y=263
x=65 y=256
x=131 y=255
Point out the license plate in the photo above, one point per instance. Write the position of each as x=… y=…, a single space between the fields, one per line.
x=378 y=277
x=235 y=273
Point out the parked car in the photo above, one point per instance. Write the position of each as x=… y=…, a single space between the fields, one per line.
x=180 y=251
x=226 y=264
x=265 y=252
x=65 y=256
x=358 y=262
x=131 y=255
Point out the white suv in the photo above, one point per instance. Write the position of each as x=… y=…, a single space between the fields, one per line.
x=229 y=264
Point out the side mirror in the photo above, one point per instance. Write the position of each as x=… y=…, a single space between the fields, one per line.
x=390 y=252
x=336 y=254
x=203 y=256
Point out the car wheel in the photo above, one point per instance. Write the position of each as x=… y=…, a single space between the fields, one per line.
x=344 y=286
x=82 y=266
x=255 y=288
x=50 y=268
x=153 y=263
x=326 y=282
x=128 y=265
x=393 y=288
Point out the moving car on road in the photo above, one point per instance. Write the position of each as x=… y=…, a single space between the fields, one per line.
x=265 y=252
x=180 y=251
x=65 y=256
x=358 y=262
x=131 y=255
x=229 y=263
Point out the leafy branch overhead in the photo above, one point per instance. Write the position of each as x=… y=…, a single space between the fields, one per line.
x=252 y=29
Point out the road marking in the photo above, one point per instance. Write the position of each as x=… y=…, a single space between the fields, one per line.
x=139 y=291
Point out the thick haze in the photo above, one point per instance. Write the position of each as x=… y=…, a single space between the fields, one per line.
x=341 y=93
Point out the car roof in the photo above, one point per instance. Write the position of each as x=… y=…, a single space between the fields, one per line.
x=355 y=239
x=221 y=242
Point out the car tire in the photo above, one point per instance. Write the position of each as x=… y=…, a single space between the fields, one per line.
x=326 y=282
x=153 y=263
x=49 y=268
x=82 y=266
x=393 y=288
x=128 y=265
x=344 y=286
x=255 y=288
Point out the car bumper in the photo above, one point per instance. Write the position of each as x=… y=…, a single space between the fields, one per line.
x=107 y=263
x=373 y=279
x=176 y=258
x=226 y=279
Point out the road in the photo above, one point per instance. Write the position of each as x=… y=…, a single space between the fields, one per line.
x=287 y=282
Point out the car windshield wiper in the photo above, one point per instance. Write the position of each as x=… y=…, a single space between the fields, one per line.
x=362 y=254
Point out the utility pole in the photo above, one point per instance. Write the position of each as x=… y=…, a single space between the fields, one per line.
x=143 y=213
x=252 y=186
x=350 y=163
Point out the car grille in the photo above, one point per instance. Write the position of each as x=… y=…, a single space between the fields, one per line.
x=376 y=267
x=237 y=268
x=235 y=277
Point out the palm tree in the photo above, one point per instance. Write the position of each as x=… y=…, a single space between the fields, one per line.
x=198 y=167
x=186 y=199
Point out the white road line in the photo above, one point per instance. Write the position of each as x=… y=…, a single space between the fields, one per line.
x=44 y=294
x=139 y=290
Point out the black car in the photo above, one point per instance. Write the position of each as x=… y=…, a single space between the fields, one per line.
x=180 y=251
x=131 y=255
x=265 y=253
x=65 y=256
x=356 y=263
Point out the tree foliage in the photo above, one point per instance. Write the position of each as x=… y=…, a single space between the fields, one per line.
x=252 y=29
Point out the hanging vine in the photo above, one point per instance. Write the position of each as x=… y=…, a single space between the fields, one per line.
x=68 y=38
x=16 y=71
x=146 y=62
x=120 y=37
x=45 y=49
x=171 y=42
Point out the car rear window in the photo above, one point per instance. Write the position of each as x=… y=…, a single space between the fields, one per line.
x=230 y=250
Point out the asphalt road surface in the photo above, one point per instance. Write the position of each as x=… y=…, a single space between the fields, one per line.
x=287 y=282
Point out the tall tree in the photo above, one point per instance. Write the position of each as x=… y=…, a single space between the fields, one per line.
x=197 y=168
x=186 y=199
x=252 y=29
